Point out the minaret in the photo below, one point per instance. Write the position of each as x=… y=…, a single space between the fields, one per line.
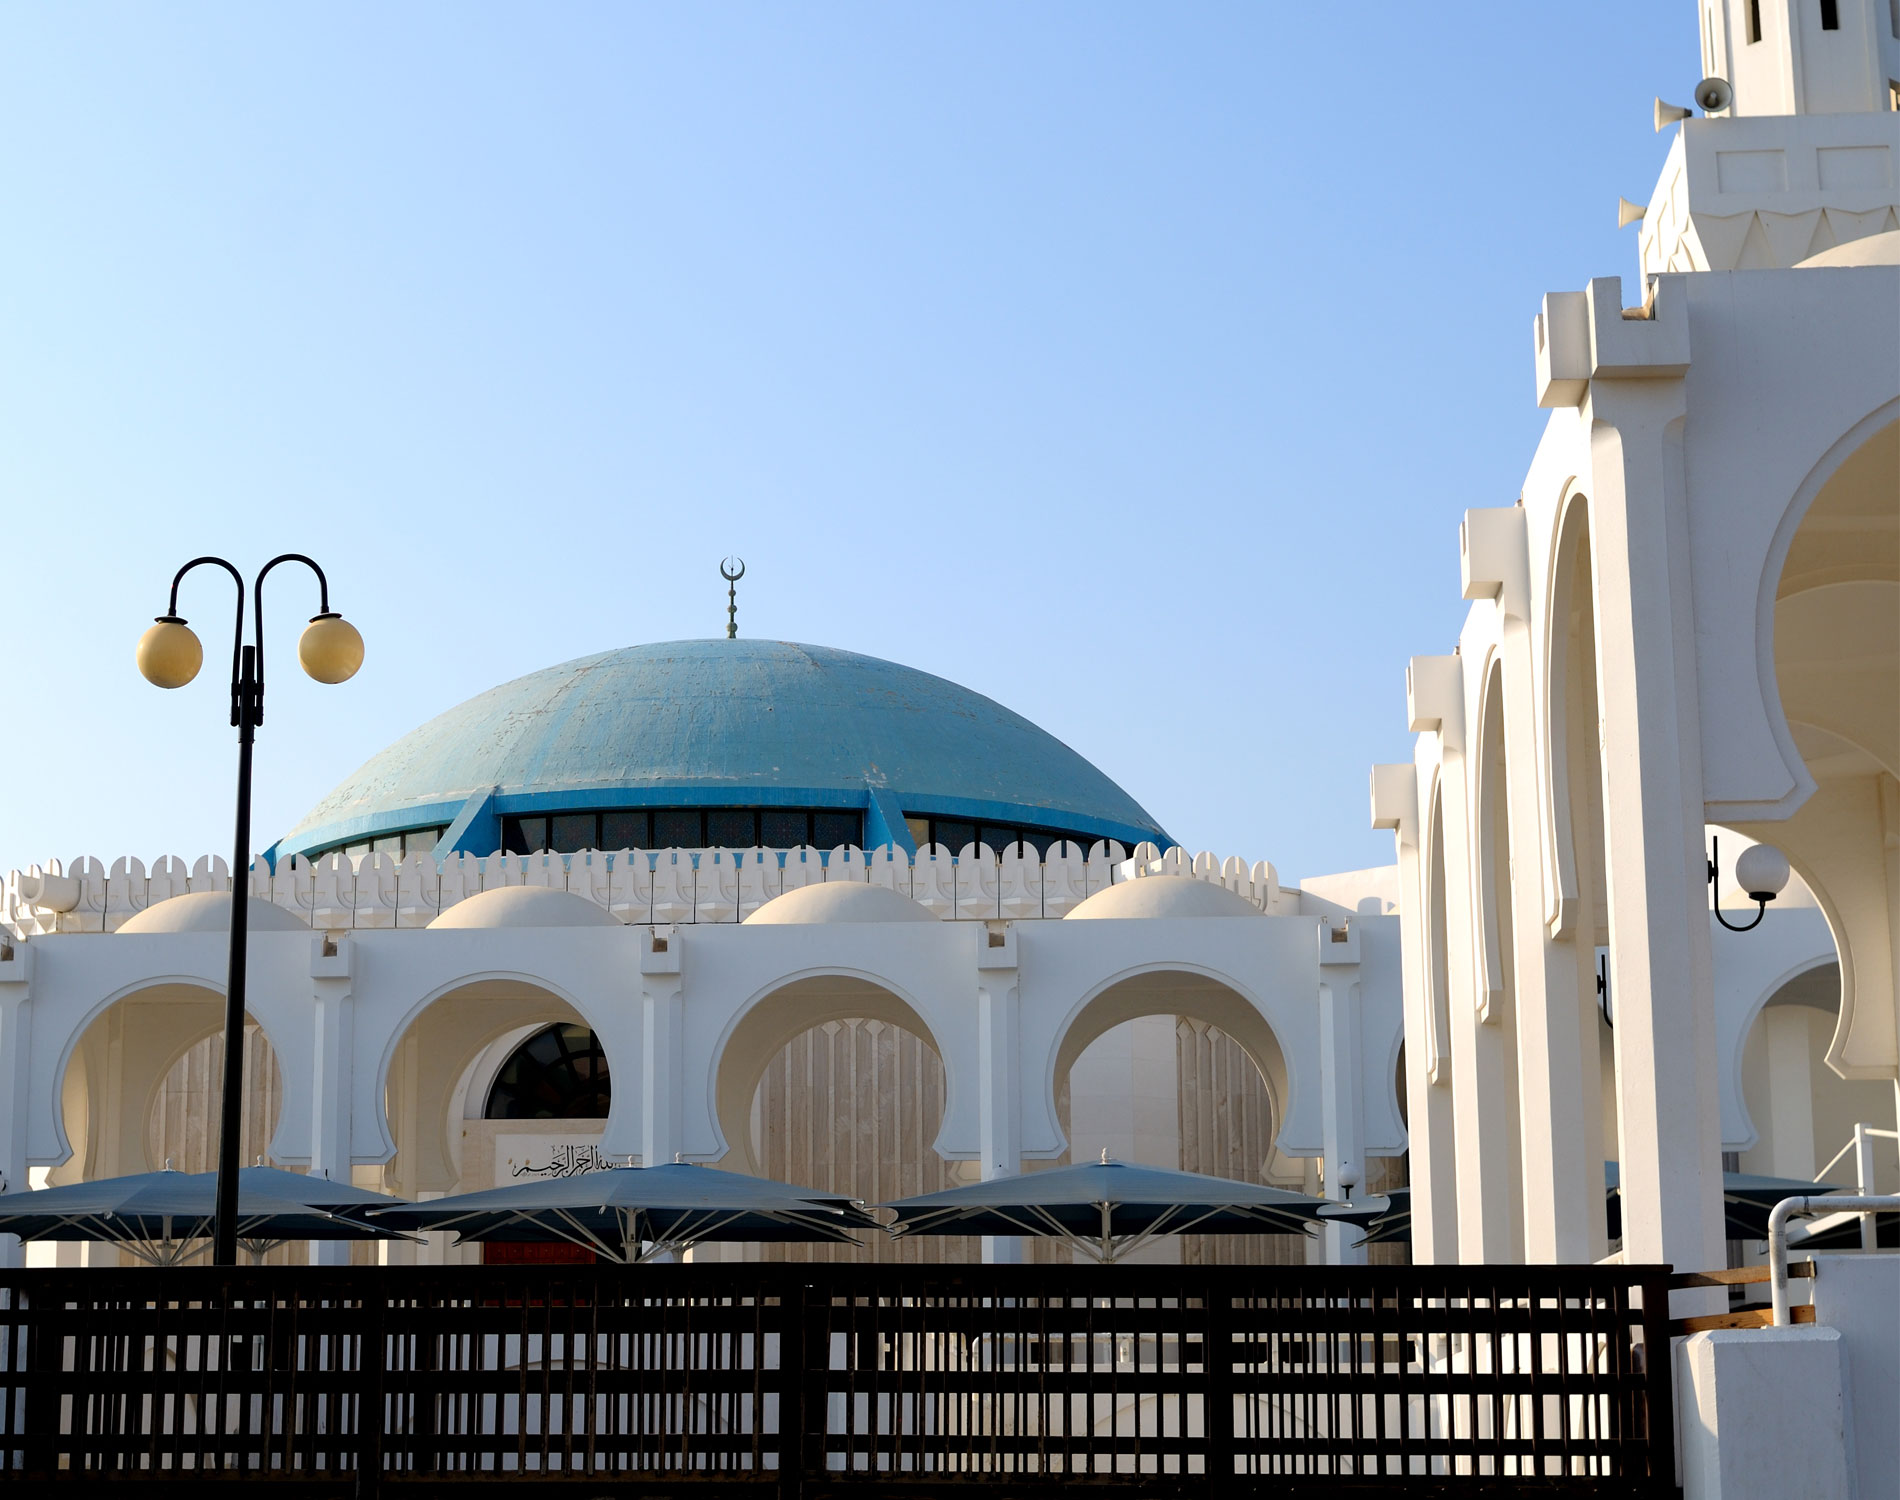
x=1804 y=57
x=1806 y=155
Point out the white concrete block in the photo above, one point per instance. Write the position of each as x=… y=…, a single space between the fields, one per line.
x=1764 y=1415
x=1860 y=1296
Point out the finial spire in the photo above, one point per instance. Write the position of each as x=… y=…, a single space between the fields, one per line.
x=732 y=594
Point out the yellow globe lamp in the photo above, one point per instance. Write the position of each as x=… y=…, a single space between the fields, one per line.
x=169 y=654
x=330 y=649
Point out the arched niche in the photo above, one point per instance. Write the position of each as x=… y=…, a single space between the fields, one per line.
x=774 y=1021
x=426 y=1073
x=852 y=1105
x=143 y=1081
x=1189 y=1046
x=1799 y=1112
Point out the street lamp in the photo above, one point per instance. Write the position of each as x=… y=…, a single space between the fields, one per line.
x=169 y=656
x=1761 y=870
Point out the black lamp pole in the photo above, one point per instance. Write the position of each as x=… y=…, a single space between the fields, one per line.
x=247 y=712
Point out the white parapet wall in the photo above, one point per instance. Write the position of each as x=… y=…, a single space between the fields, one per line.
x=339 y=892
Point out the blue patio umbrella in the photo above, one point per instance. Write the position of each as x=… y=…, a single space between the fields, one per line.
x=1106 y=1209
x=165 y=1217
x=631 y=1214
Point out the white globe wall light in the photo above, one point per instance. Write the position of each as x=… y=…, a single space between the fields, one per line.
x=1761 y=871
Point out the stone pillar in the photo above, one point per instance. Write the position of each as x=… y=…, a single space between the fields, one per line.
x=1790 y=1092
x=332 y=1080
x=999 y=1057
x=1550 y=1075
x=663 y=1020
x=1341 y=1066
x=1660 y=969
x=1481 y=1111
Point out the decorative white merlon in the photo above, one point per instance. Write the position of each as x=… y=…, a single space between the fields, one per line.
x=1395 y=799
x=1435 y=697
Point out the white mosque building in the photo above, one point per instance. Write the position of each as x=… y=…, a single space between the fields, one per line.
x=809 y=913
x=1685 y=630
x=791 y=909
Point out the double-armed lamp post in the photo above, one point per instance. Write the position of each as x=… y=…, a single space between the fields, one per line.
x=169 y=656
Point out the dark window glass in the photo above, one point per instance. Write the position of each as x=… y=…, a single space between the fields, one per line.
x=1830 y=15
x=1042 y=843
x=624 y=830
x=954 y=835
x=1000 y=839
x=784 y=830
x=830 y=829
x=573 y=831
x=678 y=828
x=731 y=828
x=559 y=1073
x=524 y=835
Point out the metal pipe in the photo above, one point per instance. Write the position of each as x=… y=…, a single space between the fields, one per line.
x=1786 y=1209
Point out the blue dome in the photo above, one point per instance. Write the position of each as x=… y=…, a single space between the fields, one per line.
x=721 y=724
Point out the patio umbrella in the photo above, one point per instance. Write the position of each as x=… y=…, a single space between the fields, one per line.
x=165 y=1218
x=1380 y=1218
x=631 y=1214
x=1106 y=1209
x=1747 y=1200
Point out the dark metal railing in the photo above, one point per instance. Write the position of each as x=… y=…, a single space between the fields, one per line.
x=808 y=1379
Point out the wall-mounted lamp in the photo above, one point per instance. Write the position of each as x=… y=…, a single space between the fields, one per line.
x=1762 y=871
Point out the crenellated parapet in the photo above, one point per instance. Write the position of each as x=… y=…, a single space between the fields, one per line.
x=340 y=892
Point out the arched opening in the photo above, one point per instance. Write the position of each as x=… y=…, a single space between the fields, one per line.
x=144 y=1086
x=835 y=1082
x=1802 y=1111
x=1836 y=667
x=439 y=1079
x=1178 y=1069
x=852 y=1105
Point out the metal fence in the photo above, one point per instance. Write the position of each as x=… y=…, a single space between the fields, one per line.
x=826 y=1379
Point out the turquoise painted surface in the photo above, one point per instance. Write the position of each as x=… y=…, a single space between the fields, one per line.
x=739 y=722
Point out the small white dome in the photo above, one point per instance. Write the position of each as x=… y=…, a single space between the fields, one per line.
x=526 y=906
x=1165 y=896
x=1881 y=249
x=210 y=911
x=839 y=901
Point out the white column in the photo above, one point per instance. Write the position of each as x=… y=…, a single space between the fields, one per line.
x=1555 y=1088
x=1481 y=1112
x=1341 y=1066
x=999 y=1051
x=663 y=1021
x=1660 y=970
x=332 y=1081
x=1790 y=1092
x=16 y=1079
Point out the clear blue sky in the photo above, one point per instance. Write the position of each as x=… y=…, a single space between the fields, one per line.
x=1131 y=364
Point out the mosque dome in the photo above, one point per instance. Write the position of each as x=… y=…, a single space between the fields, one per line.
x=1164 y=896
x=839 y=901
x=730 y=743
